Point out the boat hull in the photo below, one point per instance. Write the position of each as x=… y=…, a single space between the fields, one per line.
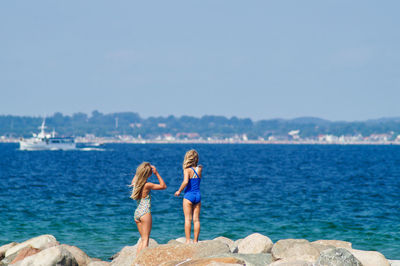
x=43 y=145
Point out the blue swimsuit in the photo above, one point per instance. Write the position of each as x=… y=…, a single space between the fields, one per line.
x=192 y=190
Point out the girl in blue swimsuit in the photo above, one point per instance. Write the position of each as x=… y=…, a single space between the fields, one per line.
x=141 y=193
x=192 y=197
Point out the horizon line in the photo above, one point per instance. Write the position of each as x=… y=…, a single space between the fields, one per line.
x=215 y=115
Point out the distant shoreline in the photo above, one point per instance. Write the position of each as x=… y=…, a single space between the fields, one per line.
x=101 y=141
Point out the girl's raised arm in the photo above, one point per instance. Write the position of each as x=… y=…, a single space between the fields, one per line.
x=200 y=170
x=152 y=186
x=184 y=183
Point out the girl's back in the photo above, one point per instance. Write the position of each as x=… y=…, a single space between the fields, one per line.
x=194 y=180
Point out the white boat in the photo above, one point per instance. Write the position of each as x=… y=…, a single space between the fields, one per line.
x=44 y=141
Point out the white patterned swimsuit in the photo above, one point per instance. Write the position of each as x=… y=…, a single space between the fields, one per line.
x=143 y=207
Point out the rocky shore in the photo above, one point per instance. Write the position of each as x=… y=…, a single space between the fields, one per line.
x=255 y=249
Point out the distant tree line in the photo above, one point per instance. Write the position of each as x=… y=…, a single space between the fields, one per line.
x=130 y=123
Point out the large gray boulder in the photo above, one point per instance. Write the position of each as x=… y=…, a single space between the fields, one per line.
x=337 y=257
x=255 y=243
x=294 y=249
x=128 y=254
x=56 y=255
x=225 y=240
x=39 y=242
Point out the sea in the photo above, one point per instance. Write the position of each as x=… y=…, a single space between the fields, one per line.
x=343 y=192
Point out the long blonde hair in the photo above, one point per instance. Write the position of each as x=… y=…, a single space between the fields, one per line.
x=143 y=172
x=191 y=159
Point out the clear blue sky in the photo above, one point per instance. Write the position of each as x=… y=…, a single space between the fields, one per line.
x=338 y=60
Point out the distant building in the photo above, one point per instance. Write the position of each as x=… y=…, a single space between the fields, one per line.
x=379 y=137
x=294 y=134
x=133 y=125
x=126 y=138
x=328 y=138
x=183 y=135
x=168 y=137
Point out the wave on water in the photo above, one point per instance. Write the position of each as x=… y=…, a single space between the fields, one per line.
x=76 y=149
x=311 y=192
x=90 y=149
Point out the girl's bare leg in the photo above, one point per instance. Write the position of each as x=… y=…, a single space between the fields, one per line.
x=139 y=226
x=196 y=221
x=188 y=211
x=144 y=227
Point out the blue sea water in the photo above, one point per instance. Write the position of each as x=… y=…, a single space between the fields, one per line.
x=314 y=192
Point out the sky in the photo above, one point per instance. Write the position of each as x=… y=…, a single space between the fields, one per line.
x=333 y=59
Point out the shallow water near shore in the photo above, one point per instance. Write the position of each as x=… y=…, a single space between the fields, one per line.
x=314 y=192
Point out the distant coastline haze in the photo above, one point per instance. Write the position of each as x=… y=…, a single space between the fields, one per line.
x=337 y=60
x=129 y=127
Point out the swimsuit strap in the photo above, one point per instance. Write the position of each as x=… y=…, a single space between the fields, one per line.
x=195 y=172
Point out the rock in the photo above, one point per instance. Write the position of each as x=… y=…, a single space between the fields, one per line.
x=337 y=257
x=222 y=264
x=291 y=262
x=234 y=247
x=99 y=263
x=321 y=247
x=294 y=249
x=113 y=257
x=335 y=243
x=128 y=254
x=165 y=253
x=24 y=253
x=9 y=259
x=6 y=247
x=183 y=240
x=39 y=242
x=225 y=240
x=81 y=257
x=260 y=259
x=255 y=259
x=174 y=242
x=56 y=255
x=370 y=258
x=225 y=261
x=255 y=243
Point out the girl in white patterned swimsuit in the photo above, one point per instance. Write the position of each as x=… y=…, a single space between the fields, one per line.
x=141 y=193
